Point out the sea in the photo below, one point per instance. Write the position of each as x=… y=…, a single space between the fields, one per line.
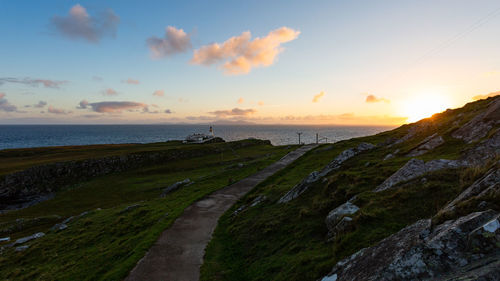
x=23 y=136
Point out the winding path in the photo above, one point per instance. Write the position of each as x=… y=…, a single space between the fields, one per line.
x=178 y=254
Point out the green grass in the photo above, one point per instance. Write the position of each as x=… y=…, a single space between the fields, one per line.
x=105 y=244
x=289 y=241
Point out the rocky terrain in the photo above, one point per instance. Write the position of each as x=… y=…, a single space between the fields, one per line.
x=421 y=202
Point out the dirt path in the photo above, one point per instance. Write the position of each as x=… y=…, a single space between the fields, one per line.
x=178 y=254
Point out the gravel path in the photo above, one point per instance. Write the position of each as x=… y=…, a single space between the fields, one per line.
x=178 y=254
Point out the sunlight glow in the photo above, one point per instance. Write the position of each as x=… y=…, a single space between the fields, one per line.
x=424 y=105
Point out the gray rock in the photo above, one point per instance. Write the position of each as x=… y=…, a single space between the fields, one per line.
x=491 y=180
x=486 y=149
x=418 y=252
x=59 y=226
x=29 y=238
x=175 y=186
x=426 y=145
x=21 y=248
x=479 y=126
x=259 y=199
x=313 y=177
x=335 y=215
x=130 y=208
x=415 y=168
x=5 y=239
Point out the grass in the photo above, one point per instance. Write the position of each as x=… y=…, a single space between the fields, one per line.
x=289 y=241
x=107 y=242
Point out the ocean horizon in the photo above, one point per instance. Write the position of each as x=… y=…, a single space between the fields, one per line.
x=25 y=136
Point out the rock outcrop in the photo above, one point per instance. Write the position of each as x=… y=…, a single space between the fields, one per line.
x=415 y=168
x=313 y=177
x=426 y=145
x=175 y=186
x=338 y=220
x=479 y=126
x=418 y=252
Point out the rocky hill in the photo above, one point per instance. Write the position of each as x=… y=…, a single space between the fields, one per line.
x=419 y=202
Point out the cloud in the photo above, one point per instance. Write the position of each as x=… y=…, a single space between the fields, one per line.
x=168 y=111
x=5 y=105
x=159 y=93
x=113 y=106
x=241 y=100
x=54 y=110
x=233 y=112
x=317 y=97
x=33 y=82
x=40 y=104
x=97 y=78
x=480 y=97
x=78 y=24
x=132 y=81
x=261 y=103
x=374 y=99
x=110 y=92
x=175 y=41
x=240 y=54
x=83 y=104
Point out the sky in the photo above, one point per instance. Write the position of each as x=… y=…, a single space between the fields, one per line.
x=266 y=62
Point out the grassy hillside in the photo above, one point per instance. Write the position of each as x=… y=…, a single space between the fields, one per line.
x=288 y=241
x=108 y=239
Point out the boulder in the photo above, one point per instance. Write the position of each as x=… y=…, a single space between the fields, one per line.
x=486 y=149
x=259 y=199
x=29 y=238
x=59 y=226
x=313 y=177
x=426 y=145
x=415 y=168
x=175 y=186
x=21 y=248
x=418 y=252
x=335 y=216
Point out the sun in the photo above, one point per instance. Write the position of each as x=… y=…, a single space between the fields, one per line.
x=424 y=105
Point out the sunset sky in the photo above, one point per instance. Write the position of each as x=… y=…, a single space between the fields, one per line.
x=270 y=62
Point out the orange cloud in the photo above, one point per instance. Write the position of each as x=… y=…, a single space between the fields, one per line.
x=261 y=103
x=159 y=93
x=233 y=112
x=317 y=97
x=480 y=97
x=110 y=92
x=374 y=99
x=132 y=81
x=54 y=110
x=241 y=100
x=240 y=54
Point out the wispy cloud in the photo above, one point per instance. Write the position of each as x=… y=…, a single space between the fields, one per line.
x=317 y=97
x=54 y=110
x=233 y=112
x=240 y=54
x=159 y=93
x=111 y=106
x=374 y=99
x=78 y=24
x=97 y=78
x=33 y=82
x=261 y=103
x=241 y=100
x=132 y=81
x=168 y=111
x=175 y=41
x=110 y=92
x=480 y=97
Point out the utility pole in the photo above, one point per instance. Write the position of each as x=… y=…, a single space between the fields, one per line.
x=299 y=133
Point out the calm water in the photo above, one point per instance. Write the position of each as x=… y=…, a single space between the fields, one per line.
x=17 y=136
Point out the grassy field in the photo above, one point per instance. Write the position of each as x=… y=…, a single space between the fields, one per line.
x=107 y=241
x=274 y=241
